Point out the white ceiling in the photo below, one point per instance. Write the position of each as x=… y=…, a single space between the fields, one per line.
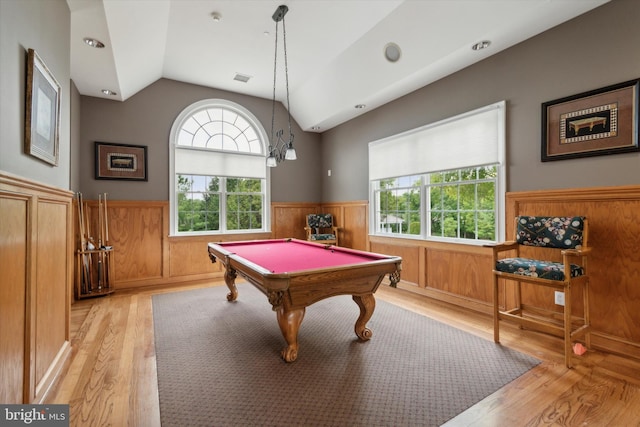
x=334 y=47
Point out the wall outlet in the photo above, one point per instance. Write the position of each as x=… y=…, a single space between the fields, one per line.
x=559 y=298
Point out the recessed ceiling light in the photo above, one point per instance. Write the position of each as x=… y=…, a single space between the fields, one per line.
x=481 y=45
x=216 y=17
x=93 y=42
x=392 y=52
x=315 y=127
x=109 y=92
x=361 y=106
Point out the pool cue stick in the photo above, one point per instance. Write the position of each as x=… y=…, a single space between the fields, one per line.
x=100 y=242
x=107 y=259
x=83 y=271
x=100 y=270
x=106 y=221
x=86 y=258
x=87 y=222
x=88 y=240
x=99 y=221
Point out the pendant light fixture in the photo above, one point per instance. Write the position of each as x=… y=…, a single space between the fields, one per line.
x=280 y=148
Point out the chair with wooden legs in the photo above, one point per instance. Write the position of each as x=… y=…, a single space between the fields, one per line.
x=551 y=252
x=321 y=228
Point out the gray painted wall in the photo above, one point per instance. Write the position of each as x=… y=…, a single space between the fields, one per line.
x=45 y=27
x=594 y=50
x=146 y=119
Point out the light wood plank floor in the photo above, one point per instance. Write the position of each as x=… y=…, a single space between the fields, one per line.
x=111 y=377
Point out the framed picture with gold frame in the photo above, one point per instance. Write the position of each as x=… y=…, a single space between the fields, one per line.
x=120 y=161
x=595 y=123
x=42 y=115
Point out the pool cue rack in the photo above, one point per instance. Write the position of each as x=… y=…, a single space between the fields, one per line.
x=94 y=263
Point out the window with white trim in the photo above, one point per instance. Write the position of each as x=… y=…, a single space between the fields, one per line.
x=446 y=181
x=218 y=170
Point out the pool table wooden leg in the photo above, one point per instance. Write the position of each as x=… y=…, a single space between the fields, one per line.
x=367 y=304
x=289 y=321
x=230 y=279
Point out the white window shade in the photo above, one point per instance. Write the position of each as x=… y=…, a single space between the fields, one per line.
x=207 y=162
x=470 y=139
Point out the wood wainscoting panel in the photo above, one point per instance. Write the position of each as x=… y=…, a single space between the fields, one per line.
x=411 y=253
x=36 y=274
x=614 y=263
x=53 y=278
x=289 y=219
x=460 y=270
x=137 y=232
x=356 y=226
x=190 y=257
x=449 y=272
x=353 y=220
x=14 y=229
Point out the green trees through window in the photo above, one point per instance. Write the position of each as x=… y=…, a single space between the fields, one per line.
x=244 y=204
x=399 y=203
x=200 y=207
x=459 y=204
x=462 y=203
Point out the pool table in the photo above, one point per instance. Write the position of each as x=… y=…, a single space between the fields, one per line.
x=590 y=123
x=294 y=274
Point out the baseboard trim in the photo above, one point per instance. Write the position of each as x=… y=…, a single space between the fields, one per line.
x=51 y=376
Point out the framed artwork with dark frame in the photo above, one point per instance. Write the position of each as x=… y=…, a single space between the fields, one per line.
x=120 y=161
x=42 y=112
x=595 y=123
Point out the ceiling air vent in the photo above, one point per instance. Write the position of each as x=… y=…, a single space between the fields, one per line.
x=241 y=78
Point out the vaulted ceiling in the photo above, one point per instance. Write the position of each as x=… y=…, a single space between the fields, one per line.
x=335 y=48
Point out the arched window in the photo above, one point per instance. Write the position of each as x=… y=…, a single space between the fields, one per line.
x=219 y=177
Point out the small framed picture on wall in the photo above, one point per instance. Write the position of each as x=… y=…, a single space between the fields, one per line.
x=120 y=161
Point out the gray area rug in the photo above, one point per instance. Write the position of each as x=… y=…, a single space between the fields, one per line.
x=219 y=364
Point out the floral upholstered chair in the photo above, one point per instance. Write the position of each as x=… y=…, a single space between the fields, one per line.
x=320 y=228
x=551 y=252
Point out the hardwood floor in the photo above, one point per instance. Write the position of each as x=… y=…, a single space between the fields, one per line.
x=111 y=377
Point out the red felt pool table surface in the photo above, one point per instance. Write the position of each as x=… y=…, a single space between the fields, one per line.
x=288 y=256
